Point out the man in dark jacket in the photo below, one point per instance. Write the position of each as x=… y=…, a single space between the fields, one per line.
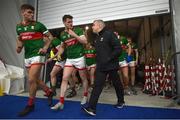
x=107 y=51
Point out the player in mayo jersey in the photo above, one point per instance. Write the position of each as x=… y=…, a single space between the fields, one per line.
x=123 y=70
x=59 y=64
x=73 y=39
x=132 y=60
x=30 y=37
x=90 y=55
x=123 y=64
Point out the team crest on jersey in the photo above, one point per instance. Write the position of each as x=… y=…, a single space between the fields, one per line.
x=25 y=28
x=19 y=29
x=32 y=27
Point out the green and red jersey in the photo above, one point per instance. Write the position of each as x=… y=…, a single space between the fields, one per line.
x=74 y=49
x=124 y=47
x=90 y=55
x=32 y=37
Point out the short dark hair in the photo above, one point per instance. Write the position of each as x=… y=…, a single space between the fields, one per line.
x=67 y=16
x=27 y=6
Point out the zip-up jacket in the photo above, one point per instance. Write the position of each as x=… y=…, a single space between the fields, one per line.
x=108 y=49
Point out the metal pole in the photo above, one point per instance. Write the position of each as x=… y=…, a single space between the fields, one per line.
x=175 y=41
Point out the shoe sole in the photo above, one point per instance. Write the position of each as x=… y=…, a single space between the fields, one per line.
x=59 y=108
x=90 y=113
x=119 y=107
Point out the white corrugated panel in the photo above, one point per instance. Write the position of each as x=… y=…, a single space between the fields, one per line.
x=50 y=12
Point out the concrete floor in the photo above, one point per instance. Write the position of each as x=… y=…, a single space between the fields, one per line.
x=108 y=96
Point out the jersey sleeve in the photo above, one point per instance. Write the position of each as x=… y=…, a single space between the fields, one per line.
x=17 y=31
x=60 y=37
x=56 y=42
x=43 y=28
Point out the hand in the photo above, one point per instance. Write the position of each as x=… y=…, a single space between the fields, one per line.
x=59 y=58
x=42 y=51
x=72 y=33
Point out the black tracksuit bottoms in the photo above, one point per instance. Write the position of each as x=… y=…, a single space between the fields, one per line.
x=99 y=84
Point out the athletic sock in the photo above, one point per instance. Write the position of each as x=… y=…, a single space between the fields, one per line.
x=61 y=100
x=31 y=101
x=86 y=94
x=47 y=91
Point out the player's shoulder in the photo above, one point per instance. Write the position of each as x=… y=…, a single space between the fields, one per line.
x=37 y=22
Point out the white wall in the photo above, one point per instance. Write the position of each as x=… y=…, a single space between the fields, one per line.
x=10 y=16
x=9 y=11
x=50 y=12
